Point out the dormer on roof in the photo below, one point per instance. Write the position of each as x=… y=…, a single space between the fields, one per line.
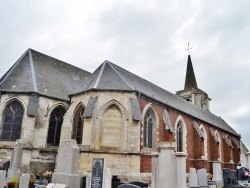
x=191 y=91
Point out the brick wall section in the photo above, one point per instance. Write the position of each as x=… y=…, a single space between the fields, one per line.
x=146 y=164
x=195 y=144
x=226 y=154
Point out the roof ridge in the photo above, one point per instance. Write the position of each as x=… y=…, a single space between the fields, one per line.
x=5 y=76
x=116 y=71
x=100 y=74
x=32 y=69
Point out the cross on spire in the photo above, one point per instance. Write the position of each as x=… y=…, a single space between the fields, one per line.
x=188 y=49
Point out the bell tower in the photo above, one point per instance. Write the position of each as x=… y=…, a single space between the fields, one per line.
x=191 y=91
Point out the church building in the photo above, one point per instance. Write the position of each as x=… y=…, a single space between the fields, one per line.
x=112 y=114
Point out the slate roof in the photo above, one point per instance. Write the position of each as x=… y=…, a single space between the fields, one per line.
x=109 y=76
x=35 y=72
x=38 y=73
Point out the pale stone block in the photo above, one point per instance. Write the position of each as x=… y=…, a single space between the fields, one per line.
x=67 y=164
x=193 y=179
x=181 y=169
x=2 y=178
x=24 y=181
x=166 y=160
x=202 y=177
x=217 y=175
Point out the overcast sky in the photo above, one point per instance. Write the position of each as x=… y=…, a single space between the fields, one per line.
x=146 y=37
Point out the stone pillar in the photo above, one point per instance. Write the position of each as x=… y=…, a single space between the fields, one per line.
x=154 y=158
x=181 y=169
x=16 y=160
x=165 y=166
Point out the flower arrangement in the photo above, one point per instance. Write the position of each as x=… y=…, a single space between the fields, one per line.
x=209 y=176
x=32 y=182
x=11 y=184
x=47 y=175
x=245 y=174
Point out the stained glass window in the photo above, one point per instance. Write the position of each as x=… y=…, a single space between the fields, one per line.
x=148 y=125
x=179 y=137
x=55 y=124
x=12 y=121
x=78 y=125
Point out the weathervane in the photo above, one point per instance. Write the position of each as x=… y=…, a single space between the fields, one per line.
x=188 y=49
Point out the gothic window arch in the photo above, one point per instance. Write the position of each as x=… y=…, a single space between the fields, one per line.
x=219 y=143
x=78 y=124
x=204 y=136
x=180 y=135
x=12 y=121
x=149 y=124
x=55 y=125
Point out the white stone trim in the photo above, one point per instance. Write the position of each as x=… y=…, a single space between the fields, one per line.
x=180 y=119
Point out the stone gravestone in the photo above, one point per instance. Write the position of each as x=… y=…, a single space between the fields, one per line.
x=202 y=177
x=193 y=178
x=24 y=181
x=97 y=173
x=16 y=160
x=66 y=171
x=128 y=186
x=2 y=178
x=229 y=177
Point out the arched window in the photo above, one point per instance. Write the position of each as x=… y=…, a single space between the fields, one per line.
x=204 y=136
x=55 y=124
x=179 y=137
x=148 y=125
x=12 y=121
x=78 y=125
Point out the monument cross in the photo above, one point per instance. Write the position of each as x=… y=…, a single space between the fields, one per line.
x=188 y=49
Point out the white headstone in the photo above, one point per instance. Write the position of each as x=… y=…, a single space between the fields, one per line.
x=24 y=181
x=193 y=179
x=16 y=160
x=217 y=174
x=2 y=178
x=66 y=171
x=202 y=177
x=108 y=178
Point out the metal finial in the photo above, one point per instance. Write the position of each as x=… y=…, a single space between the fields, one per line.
x=188 y=49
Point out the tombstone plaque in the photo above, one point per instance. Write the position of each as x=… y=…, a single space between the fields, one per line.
x=229 y=177
x=97 y=173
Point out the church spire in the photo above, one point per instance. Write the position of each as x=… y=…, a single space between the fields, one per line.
x=191 y=91
x=190 y=81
